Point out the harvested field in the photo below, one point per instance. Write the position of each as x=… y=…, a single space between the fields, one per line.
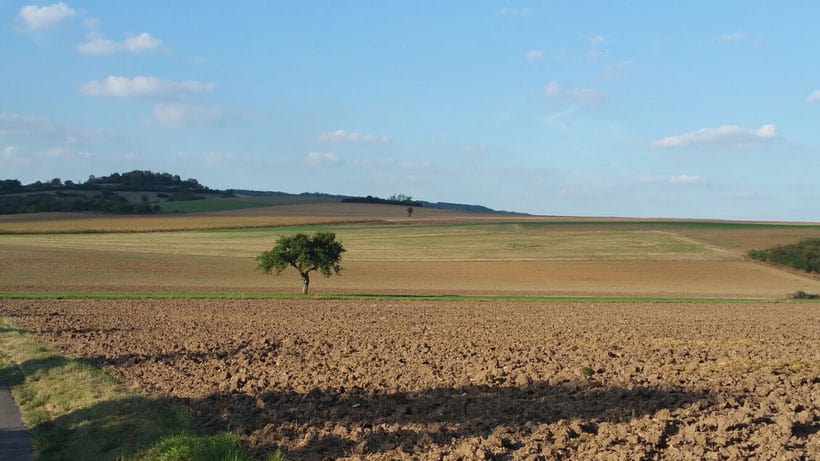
x=283 y=215
x=44 y=268
x=486 y=380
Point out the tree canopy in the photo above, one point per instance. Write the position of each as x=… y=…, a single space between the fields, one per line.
x=321 y=253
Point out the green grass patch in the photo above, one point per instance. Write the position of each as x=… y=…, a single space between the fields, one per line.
x=77 y=411
x=360 y=296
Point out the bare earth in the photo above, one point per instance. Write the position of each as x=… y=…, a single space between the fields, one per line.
x=481 y=380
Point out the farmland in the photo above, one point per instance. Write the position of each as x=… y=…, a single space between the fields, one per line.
x=512 y=373
x=418 y=380
x=436 y=252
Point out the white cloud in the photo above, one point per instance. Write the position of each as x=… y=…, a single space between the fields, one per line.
x=679 y=179
x=321 y=158
x=351 y=136
x=9 y=152
x=734 y=37
x=507 y=11
x=99 y=46
x=532 y=55
x=143 y=86
x=36 y=17
x=685 y=179
x=141 y=42
x=814 y=97
x=595 y=40
x=576 y=95
x=726 y=135
x=174 y=114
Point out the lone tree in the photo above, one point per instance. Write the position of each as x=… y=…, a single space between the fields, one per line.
x=322 y=253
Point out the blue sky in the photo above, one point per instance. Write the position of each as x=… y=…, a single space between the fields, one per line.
x=658 y=109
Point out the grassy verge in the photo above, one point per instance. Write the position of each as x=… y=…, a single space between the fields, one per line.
x=77 y=411
x=357 y=296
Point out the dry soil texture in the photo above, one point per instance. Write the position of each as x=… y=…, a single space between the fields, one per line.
x=481 y=380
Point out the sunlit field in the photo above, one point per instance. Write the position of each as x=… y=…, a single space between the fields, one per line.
x=436 y=252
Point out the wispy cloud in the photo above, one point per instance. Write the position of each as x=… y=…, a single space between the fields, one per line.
x=174 y=114
x=737 y=36
x=321 y=158
x=98 y=45
x=351 y=136
x=558 y=121
x=615 y=70
x=533 y=55
x=726 y=135
x=33 y=17
x=508 y=11
x=576 y=95
x=596 y=40
x=814 y=96
x=685 y=179
x=677 y=180
x=34 y=129
x=143 y=86
x=9 y=152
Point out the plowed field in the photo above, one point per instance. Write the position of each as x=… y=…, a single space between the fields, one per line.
x=480 y=380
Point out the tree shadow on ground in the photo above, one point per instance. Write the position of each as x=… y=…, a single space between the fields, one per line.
x=327 y=424
x=13 y=375
x=110 y=430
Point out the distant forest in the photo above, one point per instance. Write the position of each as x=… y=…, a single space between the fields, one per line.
x=392 y=200
x=101 y=194
x=142 y=192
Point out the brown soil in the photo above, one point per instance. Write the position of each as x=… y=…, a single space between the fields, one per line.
x=449 y=381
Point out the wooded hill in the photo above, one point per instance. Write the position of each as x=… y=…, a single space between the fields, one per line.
x=146 y=192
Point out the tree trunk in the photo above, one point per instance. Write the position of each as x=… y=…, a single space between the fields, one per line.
x=305 y=283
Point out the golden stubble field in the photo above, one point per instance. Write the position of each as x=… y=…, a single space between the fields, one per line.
x=433 y=252
x=379 y=380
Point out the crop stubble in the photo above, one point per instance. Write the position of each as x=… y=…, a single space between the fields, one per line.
x=412 y=379
x=535 y=258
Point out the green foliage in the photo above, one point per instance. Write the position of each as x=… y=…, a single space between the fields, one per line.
x=587 y=371
x=322 y=253
x=804 y=255
x=146 y=180
x=105 y=201
x=187 y=446
x=100 y=195
x=393 y=200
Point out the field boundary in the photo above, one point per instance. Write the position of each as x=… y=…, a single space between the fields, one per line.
x=369 y=296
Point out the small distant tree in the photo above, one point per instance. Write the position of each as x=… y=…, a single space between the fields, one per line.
x=322 y=253
x=410 y=211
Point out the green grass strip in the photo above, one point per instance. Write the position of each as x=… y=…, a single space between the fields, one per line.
x=75 y=410
x=361 y=296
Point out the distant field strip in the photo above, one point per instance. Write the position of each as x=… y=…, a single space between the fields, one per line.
x=479 y=242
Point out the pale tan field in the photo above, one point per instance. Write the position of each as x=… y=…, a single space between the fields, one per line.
x=432 y=252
